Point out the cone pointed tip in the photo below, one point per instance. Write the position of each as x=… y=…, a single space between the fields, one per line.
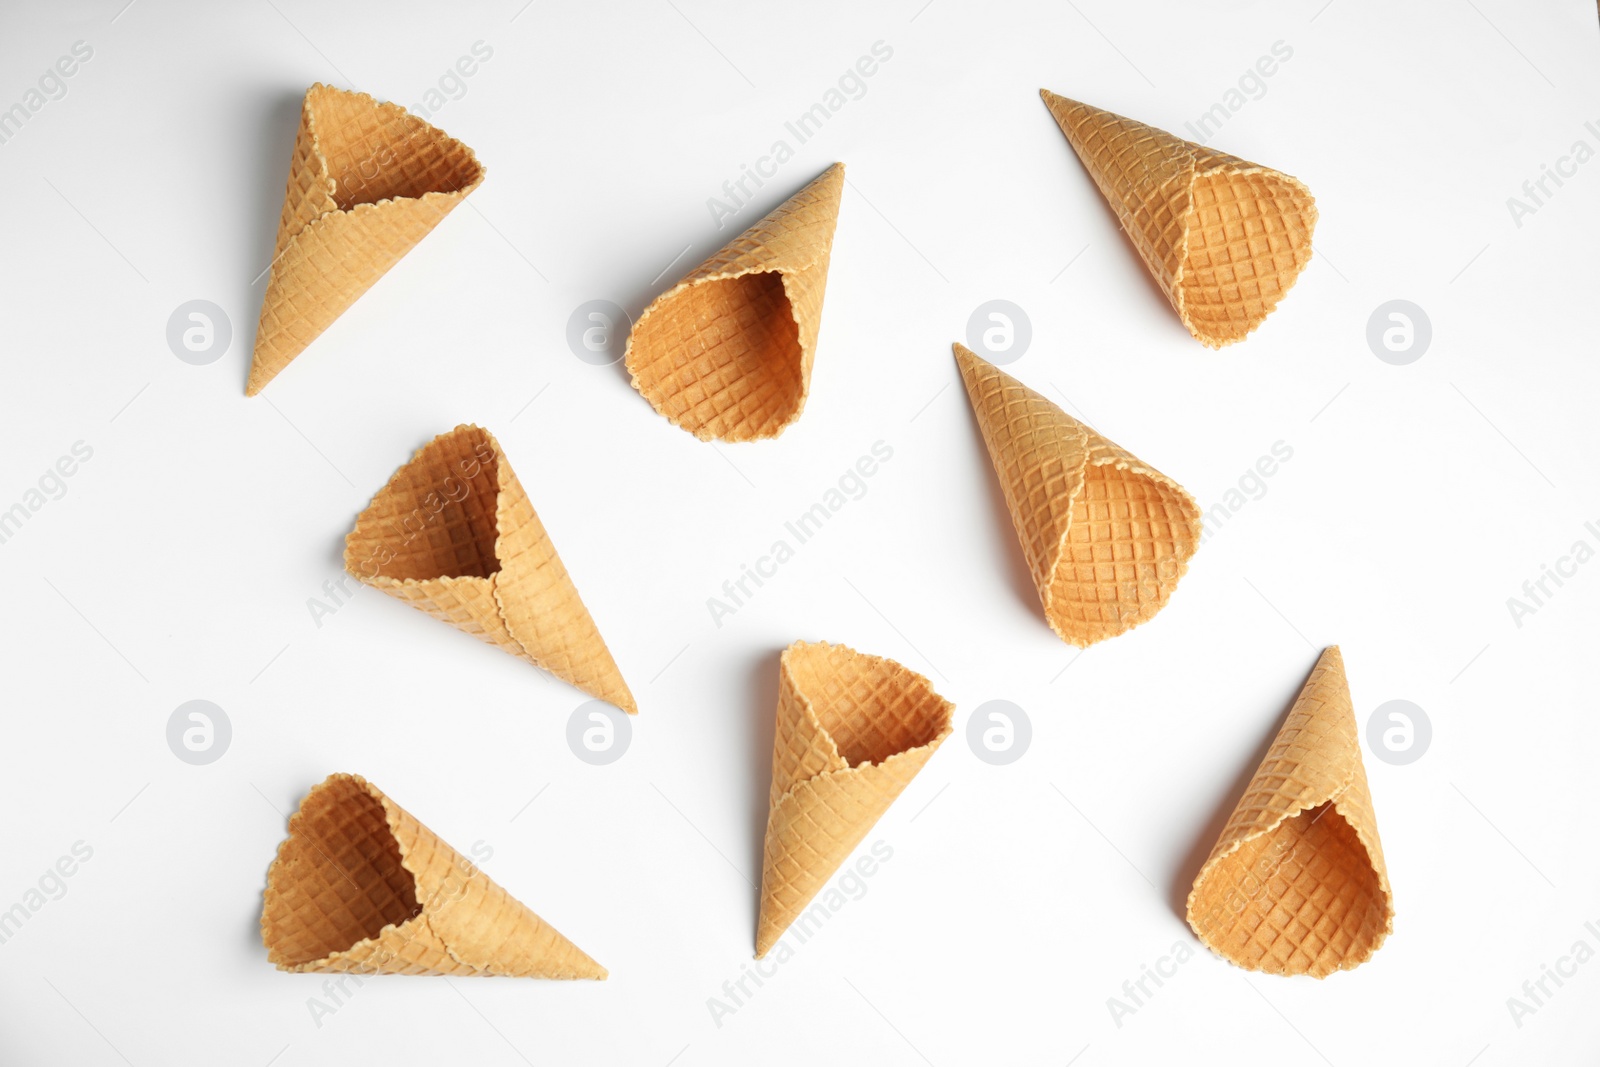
x=971 y=365
x=259 y=377
x=964 y=355
x=833 y=179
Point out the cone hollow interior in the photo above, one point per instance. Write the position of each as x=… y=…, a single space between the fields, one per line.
x=441 y=514
x=730 y=358
x=1301 y=899
x=376 y=151
x=1296 y=883
x=726 y=353
x=341 y=876
x=866 y=705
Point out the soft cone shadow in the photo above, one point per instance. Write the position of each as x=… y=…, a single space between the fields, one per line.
x=761 y=702
x=1161 y=307
x=1016 y=566
x=276 y=126
x=253 y=943
x=253 y=940
x=1206 y=838
x=635 y=300
x=336 y=544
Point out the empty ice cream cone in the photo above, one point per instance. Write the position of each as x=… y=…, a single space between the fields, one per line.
x=366 y=183
x=852 y=732
x=453 y=534
x=1106 y=536
x=726 y=353
x=1224 y=238
x=1296 y=883
x=361 y=886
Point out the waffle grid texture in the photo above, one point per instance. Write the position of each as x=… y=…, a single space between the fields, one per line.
x=1106 y=537
x=1225 y=239
x=1296 y=883
x=361 y=886
x=454 y=534
x=726 y=353
x=852 y=731
x=366 y=183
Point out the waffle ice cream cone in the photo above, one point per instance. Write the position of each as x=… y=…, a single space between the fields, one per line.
x=453 y=533
x=852 y=732
x=1224 y=238
x=367 y=182
x=360 y=886
x=726 y=353
x=1106 y=536
x=1297 y=884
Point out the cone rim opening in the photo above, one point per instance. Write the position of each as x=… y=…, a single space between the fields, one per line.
x=1165 y=572
x=487 y=541
x=469 y=176
x=936 y=713
x=1287 y=189
x=328 y=795
x=769 y=355
x=1218 y=930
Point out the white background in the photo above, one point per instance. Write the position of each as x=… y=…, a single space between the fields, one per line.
x=180 y=561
